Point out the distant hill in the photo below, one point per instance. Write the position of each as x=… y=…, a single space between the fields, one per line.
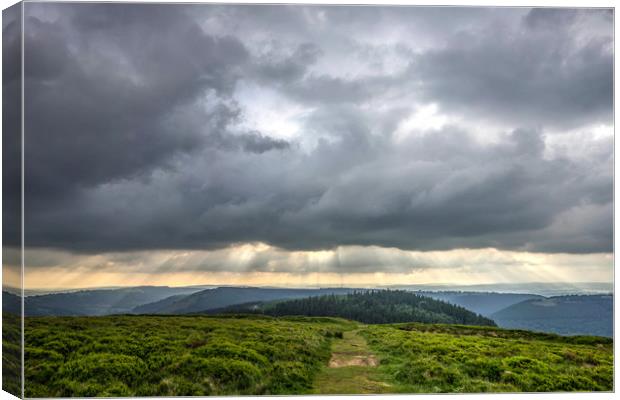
x=484 y=303
x=157 y=306
x=226 y=296
x=565 y=315
x=546 y=289
x=11 y=303
x=371 y=307
x=99 y=302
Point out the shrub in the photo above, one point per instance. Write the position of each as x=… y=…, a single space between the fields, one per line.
x=103 y=368
x=228 y=375
x=290 y=377
x=489 y=369
x=224 y=349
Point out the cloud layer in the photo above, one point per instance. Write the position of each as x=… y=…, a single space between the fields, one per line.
x=259 y=264
x=307 y=128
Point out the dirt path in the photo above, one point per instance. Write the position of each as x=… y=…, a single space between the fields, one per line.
x=352 y=369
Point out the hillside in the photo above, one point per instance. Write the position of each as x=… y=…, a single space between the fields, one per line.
x=484 y=303
x=568 y=315
x=11 y=353
x=99 y=301
x=157 y=306
x=423 y=358
x=259 y=355
x=565 y=315
x=11 y=303
x=546 y=289
x=227 y=296
x=372 y=307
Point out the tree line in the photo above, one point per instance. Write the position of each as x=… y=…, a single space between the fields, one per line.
x=372 y=307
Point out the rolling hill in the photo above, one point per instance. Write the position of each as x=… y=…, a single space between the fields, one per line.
x=11 y=303
x=546 y=289
x=484 y=303
x=101 y=301
x=226 y=296
x=157 y=306
x=565 y=315
x=372 y=307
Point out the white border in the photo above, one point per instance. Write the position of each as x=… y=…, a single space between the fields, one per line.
x=505 y=3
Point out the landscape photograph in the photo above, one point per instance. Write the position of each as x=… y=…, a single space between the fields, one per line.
x=296 y=199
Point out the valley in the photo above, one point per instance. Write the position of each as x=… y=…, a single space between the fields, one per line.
x=586 y=312
x=305 y=341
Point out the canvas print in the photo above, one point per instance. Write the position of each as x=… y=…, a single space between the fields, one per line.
x=290 y=199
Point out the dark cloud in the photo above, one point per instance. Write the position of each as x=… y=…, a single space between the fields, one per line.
x=257 y=143
x=282 y=70
x=110 y=98
x=111 y=92
x=137 y=137
x=11 y=124
x=549 y=67
x=550 y=18
x=424 y=194
x=543 y=73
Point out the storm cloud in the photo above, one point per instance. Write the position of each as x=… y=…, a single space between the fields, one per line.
x=174 y=127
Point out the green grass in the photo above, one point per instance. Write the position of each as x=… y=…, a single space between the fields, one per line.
x=420 y=358
x=11 y=353
x=351 y=380
x=175 y=356
x=228 y=355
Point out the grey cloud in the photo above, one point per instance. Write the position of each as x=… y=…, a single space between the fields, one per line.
x=135 y=141
x=289 y=68
x=348 y=259
x=106 y=87
x=545 y=67
x=257 y=143
x=545 y=77
x=90 y=98
x=324 y=89
x=420 y=195
x=11 y=124
x=550 y=18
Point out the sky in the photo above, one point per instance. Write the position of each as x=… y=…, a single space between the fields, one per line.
x=315 y=145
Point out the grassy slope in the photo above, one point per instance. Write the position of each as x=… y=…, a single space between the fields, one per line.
x=181 y=356
x=11 y=353
x=200 y=355
x=422 y=358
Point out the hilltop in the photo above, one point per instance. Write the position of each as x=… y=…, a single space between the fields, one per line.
x=565 y=315
x=99 y=301
x=370 y=306
x=226 y=296
x=483 y=303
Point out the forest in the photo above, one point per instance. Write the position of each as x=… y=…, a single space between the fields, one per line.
x=370 y=307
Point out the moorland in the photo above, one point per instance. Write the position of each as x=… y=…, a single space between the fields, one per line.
x=317 y=341
x=255 y=354
x=316 y=345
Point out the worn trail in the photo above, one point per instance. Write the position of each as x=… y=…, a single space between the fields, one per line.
x=352 y=369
